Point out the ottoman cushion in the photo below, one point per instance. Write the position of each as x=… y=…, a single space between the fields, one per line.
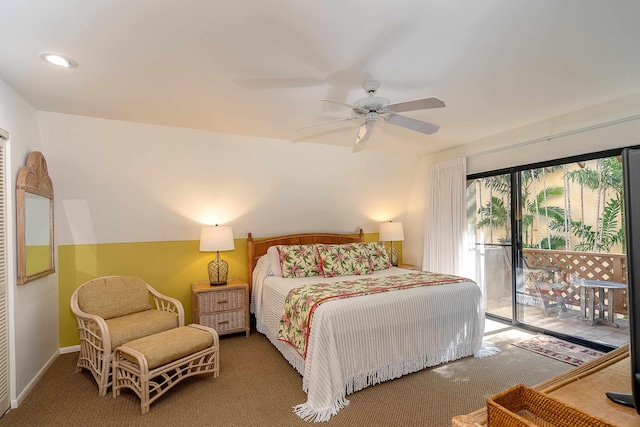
x=167 y=346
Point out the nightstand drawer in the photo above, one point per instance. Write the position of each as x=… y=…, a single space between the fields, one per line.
x=211 y=302
x=224 y=321
x=224 y=308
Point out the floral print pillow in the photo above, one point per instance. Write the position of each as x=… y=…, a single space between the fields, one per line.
x=299 y=260
x=378 y=255
x=344 y=260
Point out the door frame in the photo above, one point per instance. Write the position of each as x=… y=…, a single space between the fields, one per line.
x=516 y=238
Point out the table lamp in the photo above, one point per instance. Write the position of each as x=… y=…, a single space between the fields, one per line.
x=216 y=239
x=390 y=232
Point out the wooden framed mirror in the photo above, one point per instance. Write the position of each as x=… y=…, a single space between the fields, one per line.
x=34 y=194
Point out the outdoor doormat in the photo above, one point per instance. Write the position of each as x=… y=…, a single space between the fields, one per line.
x=558 y=349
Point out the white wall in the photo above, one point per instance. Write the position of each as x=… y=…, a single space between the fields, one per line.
x=33 y=308
x=498 y=155
x=512 y=148
x=129 y=182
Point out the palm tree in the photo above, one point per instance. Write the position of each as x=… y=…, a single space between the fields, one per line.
x=585 y=177
x=567 y=206
x=534 y=208
x=606 y=233
x=603 y=180
x=496 y=213
x=610 y=233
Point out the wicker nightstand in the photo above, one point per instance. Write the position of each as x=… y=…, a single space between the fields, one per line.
x=224 y=308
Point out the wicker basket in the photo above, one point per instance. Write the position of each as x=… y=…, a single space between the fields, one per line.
x=521 y=406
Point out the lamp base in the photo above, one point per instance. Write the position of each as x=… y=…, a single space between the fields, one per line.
x=218 y=272
x=217 y=283
x=394 y=256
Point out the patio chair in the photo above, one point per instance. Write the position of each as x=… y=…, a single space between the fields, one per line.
x=115 y=310
x=548 y=288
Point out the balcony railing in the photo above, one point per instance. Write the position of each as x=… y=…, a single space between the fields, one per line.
x=586 y=265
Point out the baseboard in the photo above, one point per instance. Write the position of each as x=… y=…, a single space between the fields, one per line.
x=15 y=403
x=71 y=349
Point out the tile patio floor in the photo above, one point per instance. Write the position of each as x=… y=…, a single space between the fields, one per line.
x=569 y=324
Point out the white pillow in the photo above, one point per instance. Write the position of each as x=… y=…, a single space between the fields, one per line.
x=274 y=259
x=262 y=269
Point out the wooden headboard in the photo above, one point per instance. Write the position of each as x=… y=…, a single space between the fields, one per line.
x=258 y=247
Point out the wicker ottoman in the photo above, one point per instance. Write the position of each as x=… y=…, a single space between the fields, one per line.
x=152 y=365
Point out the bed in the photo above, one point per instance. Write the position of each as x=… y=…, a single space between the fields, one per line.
x=355 y=342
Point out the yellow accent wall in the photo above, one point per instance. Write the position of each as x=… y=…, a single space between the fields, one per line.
x=169 y=267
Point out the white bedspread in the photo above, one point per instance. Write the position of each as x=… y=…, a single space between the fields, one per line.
x=361 y=341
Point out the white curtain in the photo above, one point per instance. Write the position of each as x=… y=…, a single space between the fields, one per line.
x=446 y=222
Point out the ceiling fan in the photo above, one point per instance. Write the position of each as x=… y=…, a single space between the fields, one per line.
x=374 y=107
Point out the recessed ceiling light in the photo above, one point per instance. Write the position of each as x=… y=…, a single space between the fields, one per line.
x=58 y=59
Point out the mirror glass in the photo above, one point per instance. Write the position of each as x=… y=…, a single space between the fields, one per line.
x=34 y=206
x=36 y=233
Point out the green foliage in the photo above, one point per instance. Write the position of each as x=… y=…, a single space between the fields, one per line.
x=495 y=212
x=538 y=208
x=611 y=233
x=607 y=177
x=500 y=183
x=586 y=177
x=553 y=242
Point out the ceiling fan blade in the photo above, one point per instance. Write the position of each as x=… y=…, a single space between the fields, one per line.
x=279 y=82
x=359 y=147
x=363 y=133
x=325 y=123
x=356 y=110
x=343 y=104
x=413 y=124
x=418 y=104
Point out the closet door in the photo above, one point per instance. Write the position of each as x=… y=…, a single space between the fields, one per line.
x=4 y=331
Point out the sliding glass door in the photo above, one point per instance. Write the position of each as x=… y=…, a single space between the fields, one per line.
x=573 y=236
x=545 y=228
x=489 y=231
x=538 y=233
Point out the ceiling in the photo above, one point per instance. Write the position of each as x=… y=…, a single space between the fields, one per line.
x=261 y=68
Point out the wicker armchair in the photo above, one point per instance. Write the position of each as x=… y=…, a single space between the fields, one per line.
x=114 y=310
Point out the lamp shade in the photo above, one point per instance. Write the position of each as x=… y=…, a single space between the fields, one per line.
x=216 y=238
x=391 y=232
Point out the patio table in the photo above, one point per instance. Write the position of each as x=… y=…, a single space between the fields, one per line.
x=588 y=308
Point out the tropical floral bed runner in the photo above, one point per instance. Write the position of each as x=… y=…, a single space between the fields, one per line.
x=301 y=302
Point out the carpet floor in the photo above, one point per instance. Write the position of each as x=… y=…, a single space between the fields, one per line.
x=257 y=387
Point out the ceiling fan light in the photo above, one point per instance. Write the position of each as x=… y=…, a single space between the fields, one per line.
x=363 y=133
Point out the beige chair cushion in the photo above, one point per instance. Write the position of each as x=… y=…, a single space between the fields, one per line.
x=128 y=328
x=116 y=296
x=170 y=345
